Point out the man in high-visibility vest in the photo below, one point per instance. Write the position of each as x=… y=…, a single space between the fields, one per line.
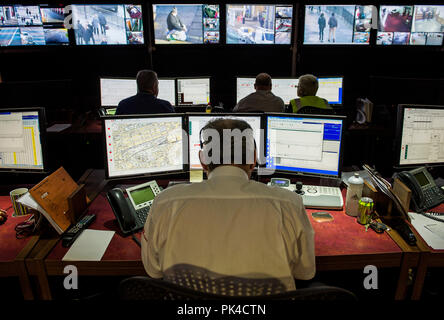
x=307 y=87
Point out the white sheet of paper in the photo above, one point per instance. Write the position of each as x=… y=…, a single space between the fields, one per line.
x=429 y=230
x=89 y=246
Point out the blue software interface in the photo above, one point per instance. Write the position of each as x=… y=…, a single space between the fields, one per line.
x=304 y=145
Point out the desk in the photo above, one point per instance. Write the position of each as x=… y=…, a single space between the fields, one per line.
x=431 y=258
x=353 y=249
x=13 y=251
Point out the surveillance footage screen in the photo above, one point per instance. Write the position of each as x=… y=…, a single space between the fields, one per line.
x=337 y=24
x=36 y=25
x=259 y=24
x=428 y=25
x=111 y=24
x=186 y=23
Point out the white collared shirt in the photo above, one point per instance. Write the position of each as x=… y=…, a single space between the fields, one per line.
x=230 y=225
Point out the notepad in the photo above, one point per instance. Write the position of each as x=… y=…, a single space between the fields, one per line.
x=89 y=246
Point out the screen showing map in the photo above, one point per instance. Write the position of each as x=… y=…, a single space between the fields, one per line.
x=138 y=146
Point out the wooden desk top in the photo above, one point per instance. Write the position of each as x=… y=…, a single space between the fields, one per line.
x=343 y=236
x=10 y=246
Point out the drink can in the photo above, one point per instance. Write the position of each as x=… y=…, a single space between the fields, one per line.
x=365 y=210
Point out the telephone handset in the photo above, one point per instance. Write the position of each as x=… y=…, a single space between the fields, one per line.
x=131 y=212
x=425 y=192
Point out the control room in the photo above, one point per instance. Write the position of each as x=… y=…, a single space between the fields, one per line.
x=216 y=151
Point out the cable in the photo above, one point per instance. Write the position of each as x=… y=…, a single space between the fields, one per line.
x=137 y=241
x=431 y=216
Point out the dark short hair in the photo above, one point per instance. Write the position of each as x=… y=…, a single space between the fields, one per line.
x=220 y=125
x=263 y=80
x=146 y=79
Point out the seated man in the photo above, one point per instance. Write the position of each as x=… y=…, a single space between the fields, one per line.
x=145 y=101
x=229 y=224
x=307 y=87
x=261 y=100
x=176 y=29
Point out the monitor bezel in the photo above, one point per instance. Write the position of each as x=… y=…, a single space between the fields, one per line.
x=138 y=116
x=130 y=78
x=140 y=45
x=229 y=114
x=177 y=91
x=43 y=138
x=203 y=44
x=398 y=136
x=334 y=45
x=263 y=45
x=308 y=116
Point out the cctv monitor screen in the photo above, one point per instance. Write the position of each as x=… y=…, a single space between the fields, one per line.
x=304 y=144
x=167 y=90
x=197 y=122
x=186 y=23
x=108 y=24
x=428 y=25
x=37 y=25
x=395 y=25
x=193 y=91
x=420 y=132
x=143 y=145
x=286 y=88
x=337 y=24
x=259 y=24
x=20 y=140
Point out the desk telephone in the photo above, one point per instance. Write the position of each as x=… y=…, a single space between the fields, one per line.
x=425 y=193
x=131 y=212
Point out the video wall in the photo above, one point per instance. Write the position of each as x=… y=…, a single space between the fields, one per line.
x=202 y=24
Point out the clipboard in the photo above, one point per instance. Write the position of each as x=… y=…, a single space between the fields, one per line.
x=52 y=195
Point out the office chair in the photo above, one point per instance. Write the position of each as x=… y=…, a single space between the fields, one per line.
x=144 y=288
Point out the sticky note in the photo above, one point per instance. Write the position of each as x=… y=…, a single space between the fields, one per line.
x=196 y=176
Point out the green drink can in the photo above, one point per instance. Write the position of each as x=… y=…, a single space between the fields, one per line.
x=365 y=210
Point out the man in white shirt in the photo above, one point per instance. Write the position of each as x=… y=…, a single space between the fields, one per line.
x=229 y=224
x=262 y=99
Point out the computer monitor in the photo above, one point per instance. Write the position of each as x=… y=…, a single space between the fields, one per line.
x=197 y=121
x=143 y=145
x=35 y=25
x=22 y=139
x=114 y=90
x=259 y=24
x=286 y=88
x=304 y=144
x=193 y=91
x=186 y=23
x=420 y=135
x=337 y=24
x=107 y=24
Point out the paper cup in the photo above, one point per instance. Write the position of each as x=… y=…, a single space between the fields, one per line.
x=19 y=209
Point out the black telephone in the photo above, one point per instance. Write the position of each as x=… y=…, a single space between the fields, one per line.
x=425 y=193
x=131 y=212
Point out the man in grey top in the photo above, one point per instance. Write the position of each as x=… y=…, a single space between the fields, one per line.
x=261 y=100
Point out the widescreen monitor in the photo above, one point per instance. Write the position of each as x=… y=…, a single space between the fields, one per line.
x=428 y=25
x=36 y=25
x=114 y=90
x=337 y=24
x=286 y=88
x=420 y=135
x=21 y=139
x=197 y=121
x=193 y=91
x=304 y=144
x=186 y=23
x=108 y=24
x=259 y=24
x=143 y=145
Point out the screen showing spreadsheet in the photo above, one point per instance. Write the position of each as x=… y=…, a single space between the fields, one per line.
x=143 y=145
x=304 y=144
x=421 y=131
x=20 y=141
x=193 y=91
